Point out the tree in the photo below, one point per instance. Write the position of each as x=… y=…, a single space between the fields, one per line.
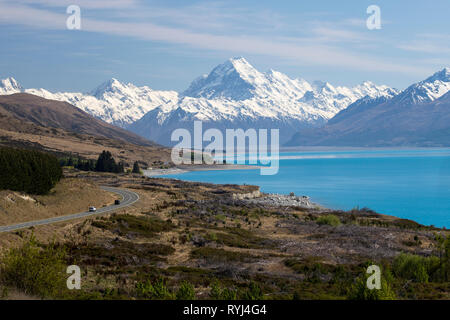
x=136 y=168
x=106 y=163
x=28 y=170
x=120 y=167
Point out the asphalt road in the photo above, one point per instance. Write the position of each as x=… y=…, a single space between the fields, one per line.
x=128 y=198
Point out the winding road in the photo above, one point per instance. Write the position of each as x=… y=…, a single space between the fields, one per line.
x=128 y=198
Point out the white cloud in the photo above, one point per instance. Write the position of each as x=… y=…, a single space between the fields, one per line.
x=313 y=49
x=436 y=43
x=88 y=4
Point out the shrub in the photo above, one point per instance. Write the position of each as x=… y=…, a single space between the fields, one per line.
x=156 y=291
x=253 y=292
x=330 y=220
x=416 y=268
x=185 y=291
x=35 y=269
x=360 y=291
x=213 y=255
x=219 y=293
x=240 y=238
x=312 y=268
x=147 y=226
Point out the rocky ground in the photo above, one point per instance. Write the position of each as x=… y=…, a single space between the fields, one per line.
x=279 y=200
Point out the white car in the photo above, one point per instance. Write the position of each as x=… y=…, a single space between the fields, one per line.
x=92 y=209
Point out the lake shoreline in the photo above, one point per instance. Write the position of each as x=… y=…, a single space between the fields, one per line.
x=409 y=184
x=202 y=167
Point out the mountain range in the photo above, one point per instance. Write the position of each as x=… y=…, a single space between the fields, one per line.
x=418 y=116
x=236 y=95
x=233 y=95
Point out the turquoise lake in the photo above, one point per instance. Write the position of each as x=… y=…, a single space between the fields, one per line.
x=412 y=184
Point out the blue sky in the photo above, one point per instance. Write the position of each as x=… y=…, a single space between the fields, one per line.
x=166 y=44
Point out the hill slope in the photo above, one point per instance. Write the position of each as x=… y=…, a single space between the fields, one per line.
x=32 y=122
x=57 y=114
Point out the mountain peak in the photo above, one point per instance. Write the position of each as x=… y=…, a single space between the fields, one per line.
x=428 y=90
x=111 y=85
x=321 y=86
x=368 y=83
x=234 y=79
x=239 y=59
x=10 y=86
x=239 y=63
x=442 y=75
x=10 y=81
x=113 y=82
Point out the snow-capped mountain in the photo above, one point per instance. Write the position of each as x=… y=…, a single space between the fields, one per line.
x=427 y=90
x=418 y=116
x=9 y=86
x=236 y=95
x=114 y=102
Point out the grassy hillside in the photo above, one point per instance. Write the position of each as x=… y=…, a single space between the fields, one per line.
x=57 y=114
x=68 y=196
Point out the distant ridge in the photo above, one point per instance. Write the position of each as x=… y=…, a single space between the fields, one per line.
x=234 y=94
x=57 y=114
x=417 y=116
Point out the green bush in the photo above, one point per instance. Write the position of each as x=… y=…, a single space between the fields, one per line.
x=156 y=291
x=35 y=269
x=28 y=171
x=185 y=291
x=219 y=293
x=360 y=291
x=253 y=292
x=416 y=268
x=330 y=220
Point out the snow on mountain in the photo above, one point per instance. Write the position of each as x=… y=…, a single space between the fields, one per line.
x=427 y=90
x=114 y=102
x=235 y=93
x=9 y=86
x=418 y=116
x=334 y=99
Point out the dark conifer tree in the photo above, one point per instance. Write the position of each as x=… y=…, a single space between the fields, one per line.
x=136 y=168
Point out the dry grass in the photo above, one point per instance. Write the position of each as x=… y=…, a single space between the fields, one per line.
x=85 y=146
x=69 y=196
